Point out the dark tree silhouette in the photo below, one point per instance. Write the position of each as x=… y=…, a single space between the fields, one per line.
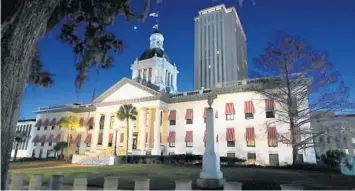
x=302 y=82
x=25 y=22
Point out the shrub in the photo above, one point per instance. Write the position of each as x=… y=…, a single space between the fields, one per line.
x=332 y=157
x=174 y=159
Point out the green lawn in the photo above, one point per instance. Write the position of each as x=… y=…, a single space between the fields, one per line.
x=163 y=176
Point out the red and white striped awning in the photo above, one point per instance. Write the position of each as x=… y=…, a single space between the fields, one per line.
x=42 y=139
x=189 y=114
x=205 y=112
x=99 y=141
x=248 y=107
x=269 y=105
x=122 y=138
x=110 y=138
x=272 y=134
x=81 y=122
x=53 y=122
x=102 y=120
x=57 y=138
x=172 y=115
x=249 y=134
x=91 y=121
x=171 y=137
x=34 y=140
x=189 y=136
x=46 y=122
x=230 y=134
x=77 y=139
x=229 y=109
x=60 y=121
x=39 y=123
x=88 y=139
x=50 y=138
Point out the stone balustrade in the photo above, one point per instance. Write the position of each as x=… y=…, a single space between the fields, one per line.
x=110 y=183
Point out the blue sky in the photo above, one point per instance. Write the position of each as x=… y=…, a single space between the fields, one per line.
x=328 y=25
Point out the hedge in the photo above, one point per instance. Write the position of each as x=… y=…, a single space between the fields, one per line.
x=175 y=159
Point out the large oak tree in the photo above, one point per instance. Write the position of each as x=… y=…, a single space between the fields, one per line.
x=304 y=83
x=25 y=22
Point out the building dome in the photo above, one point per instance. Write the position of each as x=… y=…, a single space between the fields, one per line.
x=151 y=52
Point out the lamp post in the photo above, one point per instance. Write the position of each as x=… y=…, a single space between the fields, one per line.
x=115 y=153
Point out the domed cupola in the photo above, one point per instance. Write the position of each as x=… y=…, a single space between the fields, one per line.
x=159 y=72
x=156 y=47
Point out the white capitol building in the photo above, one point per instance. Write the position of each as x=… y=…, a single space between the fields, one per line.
x=168 y=122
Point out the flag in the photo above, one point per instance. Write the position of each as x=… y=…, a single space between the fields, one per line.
x=155 y=26
x=154 y=14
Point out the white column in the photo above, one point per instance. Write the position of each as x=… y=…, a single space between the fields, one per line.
x=130 y=136
x=211 y=168
x=156 y=144
x=96 y=131
x=143 y=128
x=175 y=80
x=116 y=125
x=106 y=130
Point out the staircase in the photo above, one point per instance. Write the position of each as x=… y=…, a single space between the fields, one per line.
x=98 y=157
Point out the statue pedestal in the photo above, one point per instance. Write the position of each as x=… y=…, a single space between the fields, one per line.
x=211 y=176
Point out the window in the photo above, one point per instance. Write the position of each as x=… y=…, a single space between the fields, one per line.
x=149 y=74
x=353 y=139
x=345 y=139
x=337 y=139
x=172 y=122
x=109 y=144
x=45 y=128
x=189 y=121
x=251 y=156
x=328 y=139
x=189 y=144
x=230 y=143
x=321 y=139
x=171 y=144
x=272 y=137
x=229 y=117
x=38 y=128
x=42 y=144
x=249 y=116
x=274 y=159
x=251 y=143
x=91 y=127
x=270 y=114
x=171 y=153
x=53 y=127
x=88 y=145
x=300 y=158
x=231 y=155
x=50 y=144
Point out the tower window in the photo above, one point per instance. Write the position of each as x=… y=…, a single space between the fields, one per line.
x=149 y=74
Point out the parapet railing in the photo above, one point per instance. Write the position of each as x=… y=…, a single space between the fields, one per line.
x=110 y=183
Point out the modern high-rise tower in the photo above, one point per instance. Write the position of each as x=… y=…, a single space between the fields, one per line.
x=220 y=48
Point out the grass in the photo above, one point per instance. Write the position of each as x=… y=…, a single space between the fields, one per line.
x=163 y=176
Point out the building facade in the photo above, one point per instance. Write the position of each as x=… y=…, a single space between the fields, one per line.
x=336 y=132
x=168 y=122
x=26 y=130
x=220 y=48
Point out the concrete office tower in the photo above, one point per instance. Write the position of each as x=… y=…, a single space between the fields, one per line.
x=220 y=48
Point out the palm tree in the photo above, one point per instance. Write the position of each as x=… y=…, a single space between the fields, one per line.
x=127 y=112
x=19 y=138
x=59 y=147
x=72 y=123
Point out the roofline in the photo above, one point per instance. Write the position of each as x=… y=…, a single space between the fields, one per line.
x=26 y=120
x=226 y=10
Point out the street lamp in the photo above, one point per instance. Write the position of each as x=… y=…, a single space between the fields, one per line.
x=115 y=153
